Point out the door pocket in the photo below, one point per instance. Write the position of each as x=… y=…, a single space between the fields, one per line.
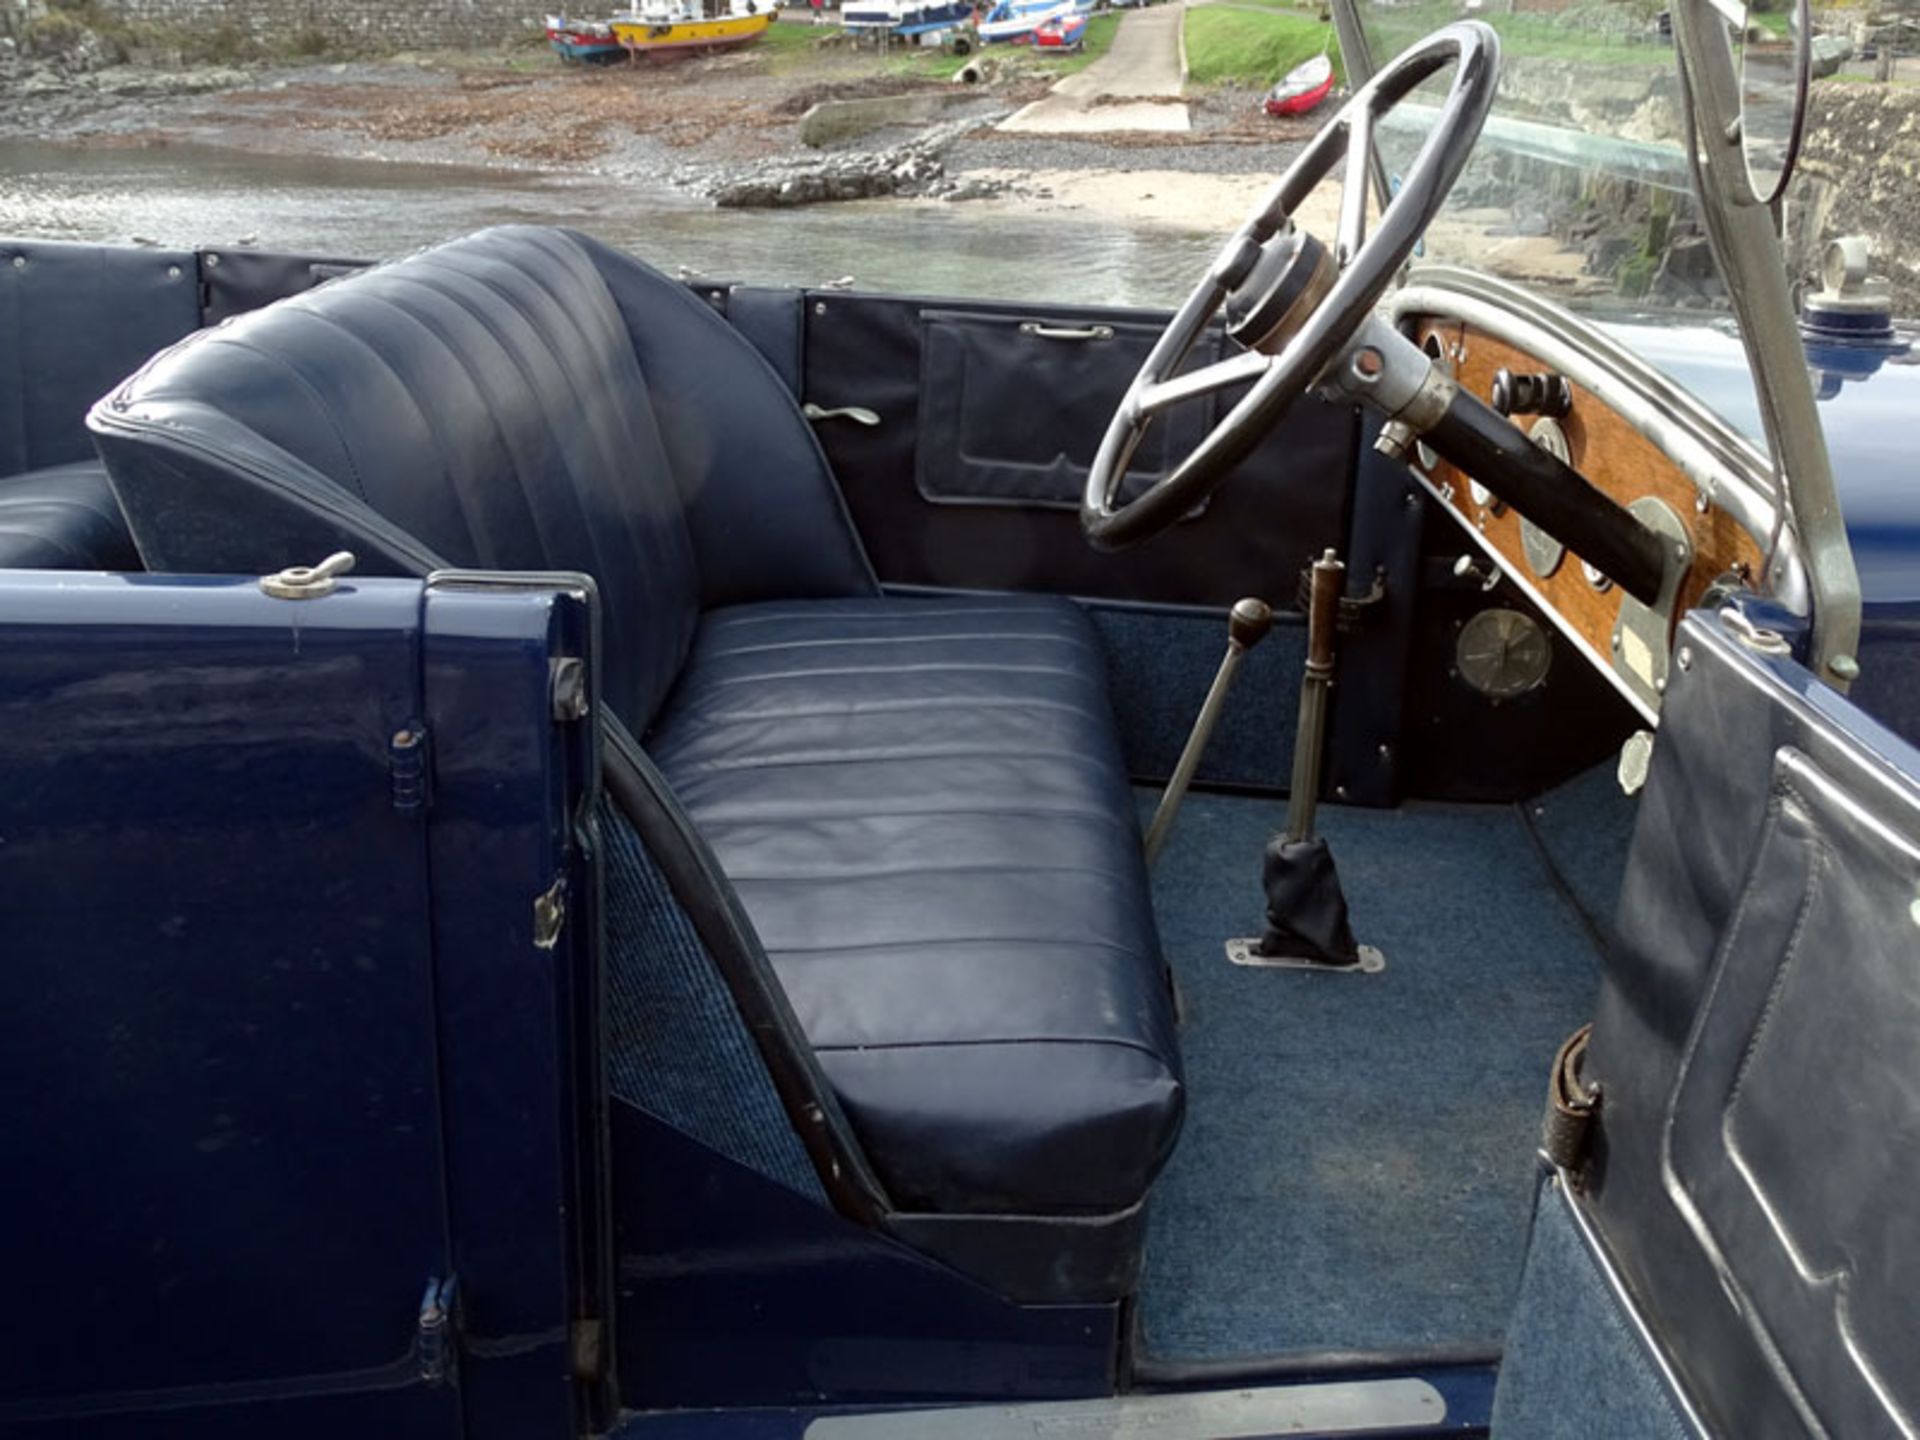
x=1013 y=407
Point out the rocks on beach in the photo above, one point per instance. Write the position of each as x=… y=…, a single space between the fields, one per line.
x=914 y=168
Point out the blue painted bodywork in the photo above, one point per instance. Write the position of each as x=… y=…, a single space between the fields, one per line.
x=734 y=1291
x=1867 y=414
x=262 y=1072
x=1867 y=395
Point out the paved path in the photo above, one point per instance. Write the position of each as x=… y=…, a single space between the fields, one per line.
x=1134 y=86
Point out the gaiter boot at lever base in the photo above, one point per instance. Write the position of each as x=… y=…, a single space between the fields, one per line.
x=1306 y=908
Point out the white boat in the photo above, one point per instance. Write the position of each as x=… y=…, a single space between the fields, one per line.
x=904 y=17
x=1015 y=20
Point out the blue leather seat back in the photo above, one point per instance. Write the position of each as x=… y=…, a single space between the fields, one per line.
x=63 y=518
x=522 y=399
x=74 y=321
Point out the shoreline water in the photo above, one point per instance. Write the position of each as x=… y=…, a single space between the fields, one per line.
x=681 y=128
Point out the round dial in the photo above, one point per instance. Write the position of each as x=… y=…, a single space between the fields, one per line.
x=1594 y=578
x=1544 y=553
x=1502 y=653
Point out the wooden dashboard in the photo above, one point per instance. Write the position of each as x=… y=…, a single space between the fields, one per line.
x=1619 y=461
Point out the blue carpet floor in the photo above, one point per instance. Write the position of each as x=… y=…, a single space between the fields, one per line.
x=1357 y=1165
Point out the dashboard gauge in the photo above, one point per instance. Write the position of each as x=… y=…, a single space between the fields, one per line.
x=1544 y=553
x=1483 y=497
x=1594 y=578
x=1503 y=654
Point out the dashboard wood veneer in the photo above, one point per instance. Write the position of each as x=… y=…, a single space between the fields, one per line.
x=1617 y=460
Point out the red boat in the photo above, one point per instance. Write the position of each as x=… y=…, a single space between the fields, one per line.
x=1062 y=32
x=578 y=40
x=1303 y=87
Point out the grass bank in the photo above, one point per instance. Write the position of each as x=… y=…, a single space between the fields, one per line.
x=1253 y=44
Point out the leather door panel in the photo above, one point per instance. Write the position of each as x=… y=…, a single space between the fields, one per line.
x=1757 y=1049
x=1020 y=529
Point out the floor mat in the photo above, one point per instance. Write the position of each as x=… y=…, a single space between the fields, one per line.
x=1356 y=1168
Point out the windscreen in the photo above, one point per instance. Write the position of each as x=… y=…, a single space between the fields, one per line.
x=1579 y=187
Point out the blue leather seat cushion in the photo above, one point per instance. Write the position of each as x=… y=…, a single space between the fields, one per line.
x=923 y=806
x=63 y=518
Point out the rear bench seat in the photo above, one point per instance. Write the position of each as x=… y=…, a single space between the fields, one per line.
x=77 y=319
x=921 y=803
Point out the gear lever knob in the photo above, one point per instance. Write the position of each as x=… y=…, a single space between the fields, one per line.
x=1248 y=622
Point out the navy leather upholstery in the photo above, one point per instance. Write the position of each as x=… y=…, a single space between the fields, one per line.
x=74 y=321
x=922 y=803
x=521 y=400
x=63 y=518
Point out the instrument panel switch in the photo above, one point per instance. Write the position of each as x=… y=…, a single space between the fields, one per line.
x=1545 y=393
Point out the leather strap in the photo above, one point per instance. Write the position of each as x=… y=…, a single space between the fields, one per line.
x=1567 y=1126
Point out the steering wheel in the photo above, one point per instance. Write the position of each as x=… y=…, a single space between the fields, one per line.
x=1290 y=303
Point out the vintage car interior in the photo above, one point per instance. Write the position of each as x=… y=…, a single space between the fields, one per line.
x=621 y=803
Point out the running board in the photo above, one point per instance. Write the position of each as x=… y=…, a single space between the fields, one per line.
x=1355 y=1407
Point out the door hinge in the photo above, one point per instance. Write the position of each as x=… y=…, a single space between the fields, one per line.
x=434 y=1345
x=407 y=768
x=588 y=1343
x=1566 y=1131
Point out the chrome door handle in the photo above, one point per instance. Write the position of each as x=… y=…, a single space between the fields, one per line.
x=859 y=414
x=1066 y=332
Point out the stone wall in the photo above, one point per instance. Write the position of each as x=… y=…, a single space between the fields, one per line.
x=14 y=15
x=1860 y=175
x=385 y=24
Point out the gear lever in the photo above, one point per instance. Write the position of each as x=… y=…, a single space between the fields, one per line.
x=1307 y=926
x=1247 y=625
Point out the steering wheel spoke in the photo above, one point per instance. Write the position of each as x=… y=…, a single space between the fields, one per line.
x=1353 y=188
x=1240 y=369
x=1288 y=301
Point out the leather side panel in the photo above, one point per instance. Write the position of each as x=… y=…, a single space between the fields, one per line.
x=1792 y=1137
x=78 y=318
x=1755 y=1046
x=232 y=282
x=1286 y=502
x=770 y=320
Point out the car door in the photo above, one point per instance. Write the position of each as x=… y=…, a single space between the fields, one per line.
x=1736 y=1249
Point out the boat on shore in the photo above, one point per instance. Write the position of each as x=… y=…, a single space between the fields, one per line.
x=1062 y=32
x=1014 y=21
x=581 y=40
x=674 y=25
x=1301 y=88
x=904 y=17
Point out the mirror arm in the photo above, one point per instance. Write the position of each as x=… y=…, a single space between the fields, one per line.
x=1357 y=56
x=1749 y=255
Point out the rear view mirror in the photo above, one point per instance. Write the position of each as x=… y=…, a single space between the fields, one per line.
x=1771 y=45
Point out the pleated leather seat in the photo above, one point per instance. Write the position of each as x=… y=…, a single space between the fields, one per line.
x=921 y=803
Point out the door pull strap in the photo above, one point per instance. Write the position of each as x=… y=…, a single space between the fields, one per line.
x=1567 y=1128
